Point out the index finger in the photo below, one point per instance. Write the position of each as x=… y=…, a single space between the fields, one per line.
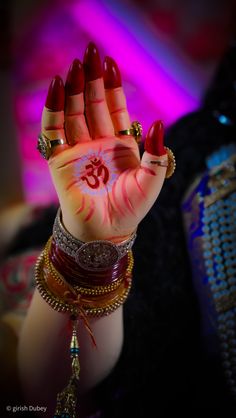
x=52 y=124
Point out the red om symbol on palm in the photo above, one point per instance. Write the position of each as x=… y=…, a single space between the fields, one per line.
x=96 y=172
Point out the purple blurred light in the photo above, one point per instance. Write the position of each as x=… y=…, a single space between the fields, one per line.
x=156 y=82
x=153 y=81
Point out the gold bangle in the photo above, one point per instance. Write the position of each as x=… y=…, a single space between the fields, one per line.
x=47 y=295
x=74 y=307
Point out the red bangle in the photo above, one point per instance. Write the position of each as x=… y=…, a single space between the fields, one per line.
x=75 y=275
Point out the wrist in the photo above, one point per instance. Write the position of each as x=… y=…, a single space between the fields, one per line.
x=94 y=255
x=91 y=277
x=84 y=232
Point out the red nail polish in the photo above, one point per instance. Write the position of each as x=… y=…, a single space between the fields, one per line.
x=92 y=63
x=56 y=95
x=75 y=78
x=111 y=74
x=154 y=139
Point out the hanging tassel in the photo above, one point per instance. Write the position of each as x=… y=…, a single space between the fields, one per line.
x=67 y=398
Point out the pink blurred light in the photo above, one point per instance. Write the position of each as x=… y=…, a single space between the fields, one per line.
x=38 y=184
x=154 y=87
x=153 y=81
x=29 y=106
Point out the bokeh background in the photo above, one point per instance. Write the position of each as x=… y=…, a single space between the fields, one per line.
x=167 y=51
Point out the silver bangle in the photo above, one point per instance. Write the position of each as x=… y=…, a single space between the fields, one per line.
x=93 y=255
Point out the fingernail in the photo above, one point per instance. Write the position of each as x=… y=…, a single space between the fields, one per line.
x=111 y=74
x=75 y=78
x=154 y=139
x=92 y=63
x=56 y=95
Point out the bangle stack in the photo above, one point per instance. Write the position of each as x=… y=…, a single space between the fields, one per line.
x=95 y=256
x=83 y=280
x=95 y=301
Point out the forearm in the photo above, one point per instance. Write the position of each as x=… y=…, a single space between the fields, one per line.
x=43 y=352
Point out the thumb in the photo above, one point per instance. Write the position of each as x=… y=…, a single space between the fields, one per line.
x=154 y=143
x=151 y=174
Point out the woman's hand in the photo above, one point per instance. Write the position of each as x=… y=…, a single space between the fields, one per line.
x=103 y=188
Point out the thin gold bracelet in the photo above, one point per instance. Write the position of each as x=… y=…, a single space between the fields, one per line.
x=74 y=308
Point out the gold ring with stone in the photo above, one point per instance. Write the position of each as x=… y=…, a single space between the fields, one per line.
x=45 y=145
x=136 y=131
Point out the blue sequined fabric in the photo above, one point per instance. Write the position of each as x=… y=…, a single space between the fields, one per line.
x=209 y=214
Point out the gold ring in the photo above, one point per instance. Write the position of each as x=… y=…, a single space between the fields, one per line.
x=45 y=145
x=161 y=163
x=136 y=131
x=171 y=163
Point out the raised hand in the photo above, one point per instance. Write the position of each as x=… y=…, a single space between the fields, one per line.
x=103 y=188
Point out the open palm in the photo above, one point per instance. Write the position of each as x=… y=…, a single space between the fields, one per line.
x=103 y=187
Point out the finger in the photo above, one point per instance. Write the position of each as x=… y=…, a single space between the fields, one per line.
x=149 y=177
x=75 y=123
x=96 y=110
x=53 y=114
x=115 y=97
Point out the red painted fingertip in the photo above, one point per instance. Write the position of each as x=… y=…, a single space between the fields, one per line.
x=75 y=78
x=92 y=63
x=111 y=74
x=155 y=138
x=56 y=95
